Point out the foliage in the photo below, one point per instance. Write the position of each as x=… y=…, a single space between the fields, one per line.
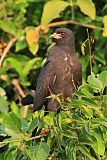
x=79 y=130
x=81 y=125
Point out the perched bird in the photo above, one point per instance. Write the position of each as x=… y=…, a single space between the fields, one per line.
x=61 y=74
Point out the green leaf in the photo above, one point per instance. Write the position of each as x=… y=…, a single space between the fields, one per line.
x=48 y=120
x=74 y=153
x=105 y=99
x=8 y=26
x=105 y=26
x=99 y=56
x=52 y=10
x=33 y=124
x=9 y=153
x=40 y=151
x=3 y=105
x=3 y=93
x=85 y=151
x=12 y=124
x=87 y=111
x=102 y=121
x=86 y=92
x=59 y=121
x=87 y=7
x=69 y=134
x=15 y=109
x=85 y=139
x=103 y=77
x=34 y=48
x=25 y=126
x=20 y=44
x=95 y=83
x=98 y=146
x=15 y=64
x=83 y=48
x=90 y=102
x=29 y=65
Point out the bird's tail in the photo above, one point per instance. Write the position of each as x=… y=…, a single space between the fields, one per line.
x=28 y=99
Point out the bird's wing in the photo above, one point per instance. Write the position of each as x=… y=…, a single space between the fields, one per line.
x=77 y=73
x=46 y=77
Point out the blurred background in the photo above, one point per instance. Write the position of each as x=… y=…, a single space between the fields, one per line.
x=25 y=26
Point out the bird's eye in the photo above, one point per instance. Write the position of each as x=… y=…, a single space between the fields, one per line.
x=62 y=34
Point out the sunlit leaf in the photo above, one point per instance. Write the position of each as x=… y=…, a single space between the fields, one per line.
x=95 y=83
x=12 y=124
x=105 y=26
x=48 y=120
x=32 y=37
x=15 y=109
x=52 y=10
x=86 y=92
x=87 y=7
x=34 y=48
x=2 y=92
x=3 y=105
x=102 y=121
x=99 y=146
x=82 y=48
x=103 y=77
x=87 y=111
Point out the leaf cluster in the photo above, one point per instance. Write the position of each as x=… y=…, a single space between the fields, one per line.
x=79 y=130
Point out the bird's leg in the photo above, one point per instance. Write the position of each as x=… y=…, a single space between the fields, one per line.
x=52 y=96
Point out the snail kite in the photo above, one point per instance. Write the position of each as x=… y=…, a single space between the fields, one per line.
x=61 y=74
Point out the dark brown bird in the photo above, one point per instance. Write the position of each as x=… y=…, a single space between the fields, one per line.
x=62 y=72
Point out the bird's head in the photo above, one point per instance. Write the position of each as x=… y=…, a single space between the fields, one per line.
x=63 y=36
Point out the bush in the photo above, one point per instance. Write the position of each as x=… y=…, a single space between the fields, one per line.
x=79 y=130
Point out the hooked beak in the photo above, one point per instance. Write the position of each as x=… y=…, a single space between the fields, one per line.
x=55 y=35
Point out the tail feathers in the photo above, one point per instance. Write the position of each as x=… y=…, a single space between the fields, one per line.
x=27 y=100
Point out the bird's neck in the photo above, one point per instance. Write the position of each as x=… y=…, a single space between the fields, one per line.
x=67 y=48
x=69 y=45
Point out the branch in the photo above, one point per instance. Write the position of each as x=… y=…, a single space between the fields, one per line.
x=12 y=41
x=75 y=22
x=19 y=140
x=18 y=87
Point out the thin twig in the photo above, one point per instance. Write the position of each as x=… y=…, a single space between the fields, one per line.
x=16 y=84
x=75 y=22
x=89 y=45
x=12 y=41
x=18 y=140
x=18 y=87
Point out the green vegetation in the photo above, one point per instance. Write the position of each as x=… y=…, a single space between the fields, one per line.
x=79 y=130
